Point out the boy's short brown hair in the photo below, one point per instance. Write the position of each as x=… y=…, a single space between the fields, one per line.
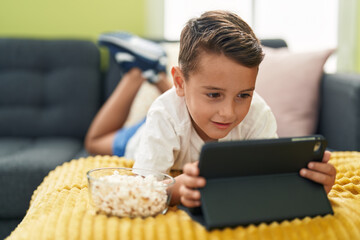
x=219 y=32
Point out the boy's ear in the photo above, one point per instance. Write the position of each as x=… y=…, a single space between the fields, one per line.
x=178 y=79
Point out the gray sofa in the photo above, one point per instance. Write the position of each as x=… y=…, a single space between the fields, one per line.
x=49 y=92
x=51 y=89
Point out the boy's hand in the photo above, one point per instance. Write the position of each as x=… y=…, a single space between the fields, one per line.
x=190 y=196
x=321 y=172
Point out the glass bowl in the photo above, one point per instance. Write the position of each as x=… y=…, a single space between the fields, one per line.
x=129 y=192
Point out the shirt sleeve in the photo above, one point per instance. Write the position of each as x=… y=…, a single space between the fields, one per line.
x=159 y=143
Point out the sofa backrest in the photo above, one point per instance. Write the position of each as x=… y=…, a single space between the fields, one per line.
x=274 y=43
x=112 y=76
x=48 y=87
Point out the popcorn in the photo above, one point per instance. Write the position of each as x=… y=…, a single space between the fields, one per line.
x=129 y=196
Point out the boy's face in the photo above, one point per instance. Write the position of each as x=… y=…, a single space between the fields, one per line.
x=218 y=94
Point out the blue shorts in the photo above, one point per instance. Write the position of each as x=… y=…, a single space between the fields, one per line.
x=123 y=136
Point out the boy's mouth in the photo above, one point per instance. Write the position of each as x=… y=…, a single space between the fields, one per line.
x=221 y=125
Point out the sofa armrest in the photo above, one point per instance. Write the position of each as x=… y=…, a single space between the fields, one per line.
x=339 y=119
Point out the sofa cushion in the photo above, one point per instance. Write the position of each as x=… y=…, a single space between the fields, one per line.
x=24 y=162
x=290 y=83
x=48 y=87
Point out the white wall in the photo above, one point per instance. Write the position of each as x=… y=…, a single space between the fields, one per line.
x=306 y=25
x=178 y=12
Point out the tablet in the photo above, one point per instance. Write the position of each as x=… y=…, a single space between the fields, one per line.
x=255 y=181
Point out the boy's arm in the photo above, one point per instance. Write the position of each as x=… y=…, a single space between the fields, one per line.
x=321 y=172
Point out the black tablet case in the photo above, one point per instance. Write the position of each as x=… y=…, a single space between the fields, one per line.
x=254 y=181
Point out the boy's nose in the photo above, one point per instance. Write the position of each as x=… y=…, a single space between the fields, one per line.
x=227 y=110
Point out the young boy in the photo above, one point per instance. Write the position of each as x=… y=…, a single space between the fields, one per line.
x=213 y=99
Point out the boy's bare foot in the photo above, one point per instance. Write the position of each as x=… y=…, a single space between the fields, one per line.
x=133 y=78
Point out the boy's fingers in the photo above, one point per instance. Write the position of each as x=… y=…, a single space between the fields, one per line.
x=189 y=203
x=322 y=167
x=317 y=176
x=326 y=180
x=194 y=182
x=326 y=157
x=191 y=169
x=189 y=193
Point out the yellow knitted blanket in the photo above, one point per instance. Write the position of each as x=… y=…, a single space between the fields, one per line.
x=60 y=209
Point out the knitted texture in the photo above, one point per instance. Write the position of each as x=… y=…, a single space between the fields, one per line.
x=60 y=209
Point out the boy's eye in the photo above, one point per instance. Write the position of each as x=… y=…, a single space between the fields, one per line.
x=213 y=95
x=244 y=95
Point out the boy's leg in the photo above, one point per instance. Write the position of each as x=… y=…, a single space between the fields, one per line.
x=125 y=93
x=113 y=113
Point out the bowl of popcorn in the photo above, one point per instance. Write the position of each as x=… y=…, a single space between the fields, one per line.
x=129 y=192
